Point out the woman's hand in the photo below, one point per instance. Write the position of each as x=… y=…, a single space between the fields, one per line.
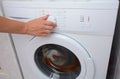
x=39 y=27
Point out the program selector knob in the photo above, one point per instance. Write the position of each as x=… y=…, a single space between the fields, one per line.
x=52 y=18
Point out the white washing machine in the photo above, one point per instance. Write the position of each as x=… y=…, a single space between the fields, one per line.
x=79 y=47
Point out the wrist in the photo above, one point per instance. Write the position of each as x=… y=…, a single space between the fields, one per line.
x=24 y=29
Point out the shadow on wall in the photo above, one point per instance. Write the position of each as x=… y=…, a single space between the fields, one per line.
x=113 y=64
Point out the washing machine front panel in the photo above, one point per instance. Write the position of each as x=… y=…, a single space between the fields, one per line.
x=29 y=64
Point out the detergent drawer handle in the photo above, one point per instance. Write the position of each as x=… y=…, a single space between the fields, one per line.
x=14 y=17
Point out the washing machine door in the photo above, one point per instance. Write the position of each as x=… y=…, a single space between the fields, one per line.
x=60 y=57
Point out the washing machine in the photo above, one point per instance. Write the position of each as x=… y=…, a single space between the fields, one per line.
x=78 y=48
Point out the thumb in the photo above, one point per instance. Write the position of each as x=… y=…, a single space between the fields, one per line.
x=45 y=17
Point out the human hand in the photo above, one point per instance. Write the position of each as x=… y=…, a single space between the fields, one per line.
x=39 y=26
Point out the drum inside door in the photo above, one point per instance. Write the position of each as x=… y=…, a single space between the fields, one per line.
x=57 y=62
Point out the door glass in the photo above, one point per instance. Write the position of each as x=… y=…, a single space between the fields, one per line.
x=55 y=60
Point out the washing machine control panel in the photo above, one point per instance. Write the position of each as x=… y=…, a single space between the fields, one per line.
x=68 y=19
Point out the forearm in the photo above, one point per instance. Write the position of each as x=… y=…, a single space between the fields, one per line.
x=37 y=27
x=11 y=26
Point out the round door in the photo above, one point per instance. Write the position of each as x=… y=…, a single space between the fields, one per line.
x=61 y=55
